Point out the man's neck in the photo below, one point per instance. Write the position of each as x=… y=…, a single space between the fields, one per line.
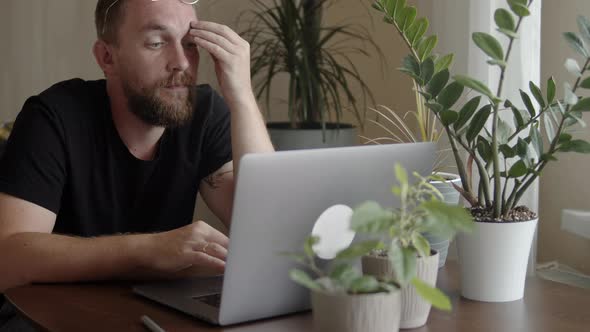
x=140 y=138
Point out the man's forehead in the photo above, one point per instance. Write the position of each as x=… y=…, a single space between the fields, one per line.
x=160 y=15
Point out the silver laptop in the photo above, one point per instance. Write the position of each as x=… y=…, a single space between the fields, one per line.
x=278 y=198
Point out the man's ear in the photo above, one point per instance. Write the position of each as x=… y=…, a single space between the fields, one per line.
x=103 y=53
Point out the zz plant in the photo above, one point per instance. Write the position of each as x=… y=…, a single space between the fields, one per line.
x=508 y=157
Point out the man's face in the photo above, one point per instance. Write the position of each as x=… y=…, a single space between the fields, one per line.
x=157 y=61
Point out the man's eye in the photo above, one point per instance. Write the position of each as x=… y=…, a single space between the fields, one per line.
x=156 y=45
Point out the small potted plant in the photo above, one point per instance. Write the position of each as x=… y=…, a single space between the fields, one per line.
x=403 y=254
x=412 y=31
x=508 y=156
x=291 y=37
x=343 y=299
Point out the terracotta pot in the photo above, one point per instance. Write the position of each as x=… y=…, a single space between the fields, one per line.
x=377 y=312
x=415 y=310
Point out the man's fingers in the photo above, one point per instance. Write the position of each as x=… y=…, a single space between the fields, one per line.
x=212 y=249
x=214 y=38
x=215 y=236
x=204 y=261
x=219 y=29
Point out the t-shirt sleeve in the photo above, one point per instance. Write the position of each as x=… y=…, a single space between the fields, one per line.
x=33 y=166
x=216 y=148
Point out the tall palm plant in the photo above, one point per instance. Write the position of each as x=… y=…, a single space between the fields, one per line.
x=290 y=36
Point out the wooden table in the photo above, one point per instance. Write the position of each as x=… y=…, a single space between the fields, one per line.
x=547 y=306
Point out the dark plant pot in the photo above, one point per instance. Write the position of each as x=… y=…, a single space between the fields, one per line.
x=311 y=136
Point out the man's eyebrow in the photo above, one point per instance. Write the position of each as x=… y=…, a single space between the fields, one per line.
x=154 y=27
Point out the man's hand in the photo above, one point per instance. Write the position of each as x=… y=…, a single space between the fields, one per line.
x=231 y=55
x=194 y=250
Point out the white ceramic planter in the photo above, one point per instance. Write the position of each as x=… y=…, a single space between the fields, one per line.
x=378 y=312
x=493 y=260
x=450 y=196
x=415 y=310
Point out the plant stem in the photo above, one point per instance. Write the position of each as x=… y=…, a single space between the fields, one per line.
x=498 y=204
x=459 y=162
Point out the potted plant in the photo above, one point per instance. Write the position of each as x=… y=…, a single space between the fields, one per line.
x=507 y=158
x=402 y=253
x=412 y=31
x=290 y=37
x=343 y=299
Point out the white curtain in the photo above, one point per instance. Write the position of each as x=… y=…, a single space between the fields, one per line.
x=455 y=20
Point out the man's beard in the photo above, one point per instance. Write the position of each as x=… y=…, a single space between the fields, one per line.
x=151 y=107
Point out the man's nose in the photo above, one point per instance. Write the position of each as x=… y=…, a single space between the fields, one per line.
x=178 y=60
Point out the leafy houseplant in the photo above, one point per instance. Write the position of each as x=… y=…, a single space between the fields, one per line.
x=507 y=158
x=412 y=31
x=402 y=253
x=342 y=298
x=290 y=37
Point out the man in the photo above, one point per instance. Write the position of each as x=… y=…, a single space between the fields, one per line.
x=99 y=178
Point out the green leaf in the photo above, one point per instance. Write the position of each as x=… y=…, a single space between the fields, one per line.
x=401 y=175
x=359 y=250
x=503 y=132
x=426 y=47
x=519 y=8
x=421 y=244
x=500 y=63
x=344 y=273
x=551 y=90
x=443 y=62
x=365 y=284
x=569 y=96
x=409 y=15
x=490 y=45
x=310 y=241
x=467 y=112
x=518 y=120
x=508 y=33
x=370 y=217
x=450 y=94
x=518 y=169
x=435 y=107
x=537 y=140
x=447 y=218
x=411 y=67
x=564 y=137
x=421 y=26
x=479 y=120
x=537 y=93
x=427 y=70
x=437 y=83
x=504 y=20
x=476 y=85
x=484 y=149
x=528 y=103
x=403 y=261
x=433 y=295
x=448 y=117
x=576 y=43
x=549 y=128
x=585 y=83
x=578 y=146
x=304 y=279
x=398 y=12
x=573 y=67
x=522 y=148
x=507 y=151
x=581 y=106
x=584 y=27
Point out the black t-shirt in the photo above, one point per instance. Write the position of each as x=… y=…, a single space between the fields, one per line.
x=66 y=155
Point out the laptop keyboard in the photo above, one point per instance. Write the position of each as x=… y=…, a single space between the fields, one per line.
x=212 y=300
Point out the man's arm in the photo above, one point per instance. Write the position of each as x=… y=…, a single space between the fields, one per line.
x=30 y=253
x=231 y=55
